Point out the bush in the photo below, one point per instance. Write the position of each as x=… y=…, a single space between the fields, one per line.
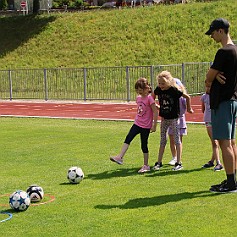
x=78 y=3
x=69 y=3
x=3 y=4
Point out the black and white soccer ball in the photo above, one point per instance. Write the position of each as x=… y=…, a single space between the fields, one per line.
x=75 y=175
x=35 y=192
x=19 y=200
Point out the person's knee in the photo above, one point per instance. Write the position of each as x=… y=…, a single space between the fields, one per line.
x=145 y=149
x=215 y=144
x=233 y=143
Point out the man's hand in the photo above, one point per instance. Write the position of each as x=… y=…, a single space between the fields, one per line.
x=220 y=78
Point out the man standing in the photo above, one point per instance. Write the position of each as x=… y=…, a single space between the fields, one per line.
x=222 y=76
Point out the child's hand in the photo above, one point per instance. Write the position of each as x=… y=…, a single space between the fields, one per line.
x=153 y=129
x=190 y=110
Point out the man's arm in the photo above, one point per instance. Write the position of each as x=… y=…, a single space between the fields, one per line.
x=210 y=76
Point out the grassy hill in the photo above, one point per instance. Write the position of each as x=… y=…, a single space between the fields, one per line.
x=162 y=34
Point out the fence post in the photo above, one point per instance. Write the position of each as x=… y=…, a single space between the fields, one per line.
x=45 y=85
x=10 y=82
x=128 y=84
x=183 y=74
x=152 y=77
x=84 y=78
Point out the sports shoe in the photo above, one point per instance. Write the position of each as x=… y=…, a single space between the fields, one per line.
x=144 y=169
x=157 y=166
x=177 y=166
x=218 y=185
x=173 y=161
x=224 y=188
x=218 y=167
x=116 y=160
x=208 y=164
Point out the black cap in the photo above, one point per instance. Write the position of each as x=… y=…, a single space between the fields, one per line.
x=217 y=24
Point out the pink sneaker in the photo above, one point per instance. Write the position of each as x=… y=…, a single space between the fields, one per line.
x=116 y=160
x=144 y=169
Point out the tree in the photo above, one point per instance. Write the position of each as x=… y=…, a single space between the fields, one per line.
x=36 y=6
x=3 y=4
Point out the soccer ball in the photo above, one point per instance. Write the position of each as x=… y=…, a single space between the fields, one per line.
x=35 y=192
x=19 y=200
x=75 y=175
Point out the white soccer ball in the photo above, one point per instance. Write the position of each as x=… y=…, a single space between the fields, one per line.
x=35 y=192
x=75 y=175
x=19 y=200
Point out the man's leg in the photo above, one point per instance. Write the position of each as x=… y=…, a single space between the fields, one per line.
x=234 y=147
x=228 y=156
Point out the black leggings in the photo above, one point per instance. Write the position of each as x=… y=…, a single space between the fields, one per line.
x=144 y=134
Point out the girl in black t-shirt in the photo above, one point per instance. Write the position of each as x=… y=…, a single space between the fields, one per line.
x=168 y=97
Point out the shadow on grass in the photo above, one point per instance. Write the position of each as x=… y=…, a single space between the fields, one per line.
x=114 y=173
x=125 y=172
x=17 y=30
x=158 y=200
x=68 y=183
x=167 y=170
x=10 y=210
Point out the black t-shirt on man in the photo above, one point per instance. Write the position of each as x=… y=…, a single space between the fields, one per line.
x=225 y=61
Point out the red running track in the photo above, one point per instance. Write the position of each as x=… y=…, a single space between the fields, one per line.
x=76 y=110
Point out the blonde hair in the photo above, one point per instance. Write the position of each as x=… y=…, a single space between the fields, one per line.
x=167 y=77
x=182 y=88
x=169 y=80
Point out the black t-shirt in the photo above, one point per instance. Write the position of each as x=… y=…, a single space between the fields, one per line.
x=225 y=61
x=169 y=102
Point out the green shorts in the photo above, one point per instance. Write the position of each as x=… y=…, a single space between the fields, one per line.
x=223 y=120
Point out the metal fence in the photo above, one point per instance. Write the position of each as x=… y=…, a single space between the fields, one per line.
x=103 y=83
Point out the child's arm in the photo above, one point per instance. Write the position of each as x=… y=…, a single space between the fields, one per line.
x=154 y=97
x=155 y=117
x=203 y=107
x=188 y=101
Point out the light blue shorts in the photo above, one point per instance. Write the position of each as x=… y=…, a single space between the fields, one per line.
x=182 y=131
x=208 y=124
x=223 y=120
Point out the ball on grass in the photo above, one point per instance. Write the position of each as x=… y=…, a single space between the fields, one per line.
x=19 y=200
x=35 y=192
x=75 y=175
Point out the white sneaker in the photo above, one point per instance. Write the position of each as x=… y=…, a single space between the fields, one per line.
x=157 y=166
x=177 y=167
x=144 y=169
x=116 y=160
x=173 y=161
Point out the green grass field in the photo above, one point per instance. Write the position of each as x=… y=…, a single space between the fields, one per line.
x=112 y=200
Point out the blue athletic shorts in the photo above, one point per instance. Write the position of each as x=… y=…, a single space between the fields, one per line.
x=223 y=120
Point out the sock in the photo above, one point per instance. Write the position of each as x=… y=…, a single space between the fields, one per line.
x=230 y=180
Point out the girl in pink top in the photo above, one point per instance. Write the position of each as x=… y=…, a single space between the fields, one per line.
x=145 y=122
